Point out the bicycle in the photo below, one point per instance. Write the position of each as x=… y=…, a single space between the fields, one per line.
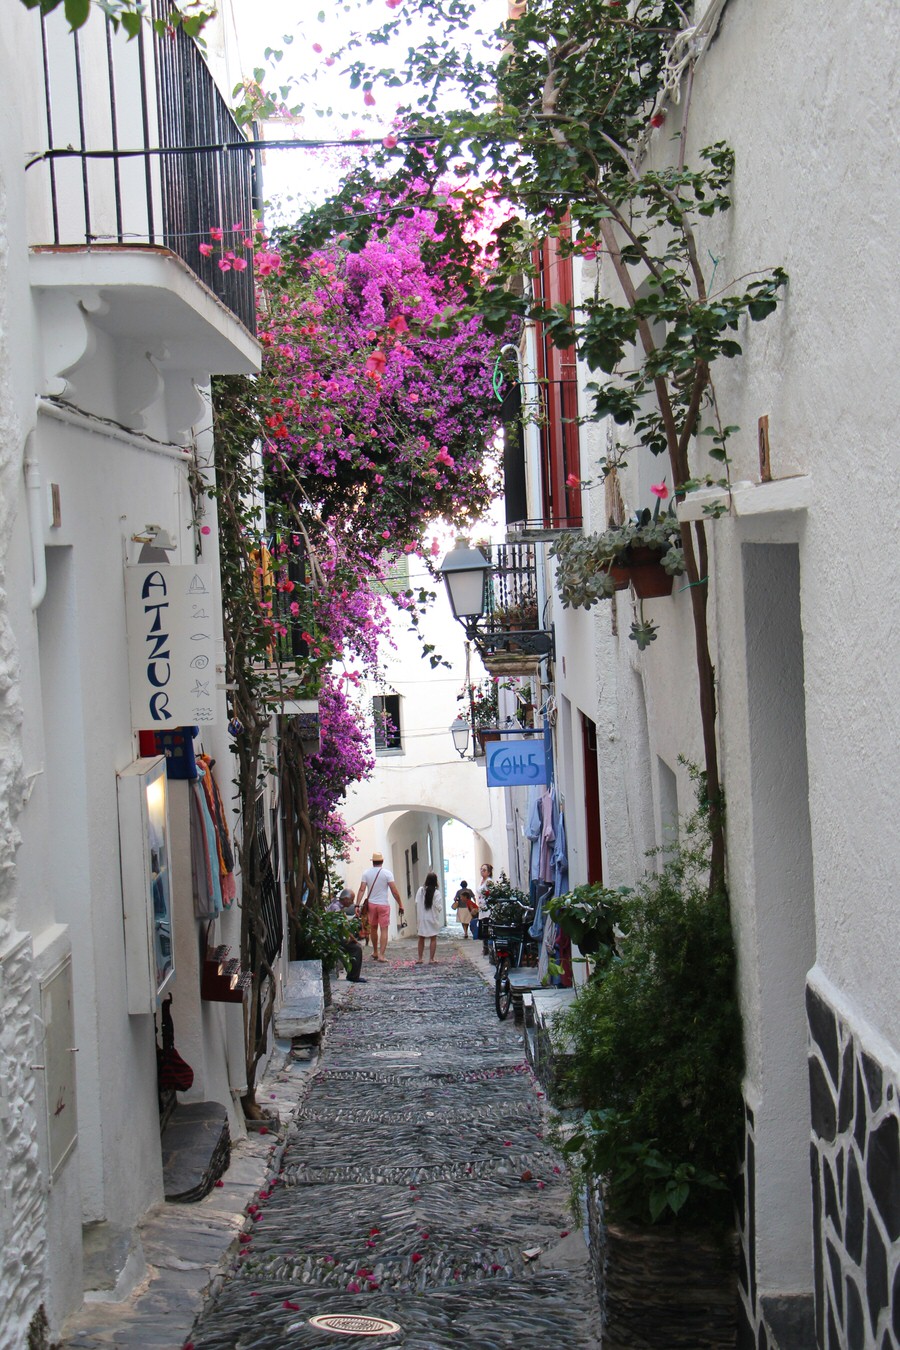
x=509 y=945
x=502 y=985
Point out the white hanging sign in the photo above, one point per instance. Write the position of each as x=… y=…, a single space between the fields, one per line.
x=169 y=614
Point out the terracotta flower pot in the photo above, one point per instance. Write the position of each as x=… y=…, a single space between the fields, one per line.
x=645 y=572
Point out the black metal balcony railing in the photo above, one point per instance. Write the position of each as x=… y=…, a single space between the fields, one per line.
x=136 y=160
x=513 y=625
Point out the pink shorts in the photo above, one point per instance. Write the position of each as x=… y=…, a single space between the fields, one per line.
x=379 y=916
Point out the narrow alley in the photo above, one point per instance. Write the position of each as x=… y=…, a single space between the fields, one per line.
x=415 y=1185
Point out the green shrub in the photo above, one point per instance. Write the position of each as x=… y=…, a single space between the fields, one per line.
x=656 y=1051
x=319 y=935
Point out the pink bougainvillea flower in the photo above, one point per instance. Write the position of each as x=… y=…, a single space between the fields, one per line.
x=352 y=1287
x=393 y=4
x=220 y=1182
x=389 y=142
x=373 y=1232
x=398 y=323
x=224 y=265
x=329 y=60
x=573 y=481
x=291 y=1307
x=317 y=46
x=540 y=1185
x=217 y=233
x=206 y=250
x=659 y=490
x=376 y=362
x=657 y=119
x=424 y=1236
x=369 y=99
x=564 y=1233
x=416 y=1258
x=239 y=264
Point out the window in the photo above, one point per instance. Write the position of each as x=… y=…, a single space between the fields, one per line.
x=386 y=716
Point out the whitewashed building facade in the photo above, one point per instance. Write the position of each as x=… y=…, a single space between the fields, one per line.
x=111 y=324
x=803 y=582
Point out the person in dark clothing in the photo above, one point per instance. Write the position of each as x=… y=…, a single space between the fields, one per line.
x=351 y=946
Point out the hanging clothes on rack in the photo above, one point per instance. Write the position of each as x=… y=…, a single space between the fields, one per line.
x=559 y=859
x=216 y=807
x=205 y=875
x=532 y=830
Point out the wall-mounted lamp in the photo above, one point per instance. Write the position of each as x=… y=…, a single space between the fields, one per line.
x=459 y=730
x=465 y=571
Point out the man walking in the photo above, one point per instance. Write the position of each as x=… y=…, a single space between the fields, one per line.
x=378 y=886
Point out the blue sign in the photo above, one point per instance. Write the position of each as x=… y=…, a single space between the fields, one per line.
x=516 y=763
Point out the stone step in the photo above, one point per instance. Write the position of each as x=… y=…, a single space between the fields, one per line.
x=302 y=1014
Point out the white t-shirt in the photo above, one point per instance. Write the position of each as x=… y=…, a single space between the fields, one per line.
x=376 y=881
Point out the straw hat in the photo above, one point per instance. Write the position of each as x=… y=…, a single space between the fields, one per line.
x=377 y=858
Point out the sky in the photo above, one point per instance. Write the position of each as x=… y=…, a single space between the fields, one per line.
x=295 y=178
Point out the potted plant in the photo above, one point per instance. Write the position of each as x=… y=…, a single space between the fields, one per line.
x=529 y=607
x=655 y=1061
x=508 y=618
x=481 y=707
x=589 y=915
x=503 y=902
x=320 y=935
x=644 y=552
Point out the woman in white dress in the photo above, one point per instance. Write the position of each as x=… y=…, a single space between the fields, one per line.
x=429 y=916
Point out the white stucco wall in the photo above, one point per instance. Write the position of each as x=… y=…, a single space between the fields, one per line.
x=22 y=1208
x=807 y=690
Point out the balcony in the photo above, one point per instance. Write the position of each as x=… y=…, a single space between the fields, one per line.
x=129 y=155
x=511 y=638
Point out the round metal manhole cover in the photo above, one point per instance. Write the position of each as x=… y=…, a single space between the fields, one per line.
x=354 y=1324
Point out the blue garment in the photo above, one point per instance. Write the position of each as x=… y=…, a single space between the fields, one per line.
x=559 y=859
x=533 y=829
x=540 y=893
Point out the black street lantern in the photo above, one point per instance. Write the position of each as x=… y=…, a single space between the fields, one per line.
x=465 y=571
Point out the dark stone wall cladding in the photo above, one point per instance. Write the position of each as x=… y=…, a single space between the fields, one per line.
x=752 y=1332
x=855 y=1163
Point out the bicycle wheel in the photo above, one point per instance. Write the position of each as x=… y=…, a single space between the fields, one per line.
x=502 y=987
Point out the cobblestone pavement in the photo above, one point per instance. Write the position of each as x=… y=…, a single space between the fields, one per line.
x=415 y=1185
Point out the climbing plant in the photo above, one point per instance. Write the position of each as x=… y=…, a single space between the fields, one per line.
x=556 y=136
x=362 y=429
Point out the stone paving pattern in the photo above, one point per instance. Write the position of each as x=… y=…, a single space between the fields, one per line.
x=415 y=1177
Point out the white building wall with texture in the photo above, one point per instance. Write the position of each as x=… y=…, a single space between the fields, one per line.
x=803 y=584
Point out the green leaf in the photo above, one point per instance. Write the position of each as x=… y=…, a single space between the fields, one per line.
x=77 y=12
x=658 y=1202
x=677 y=1194
x=131 y=23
